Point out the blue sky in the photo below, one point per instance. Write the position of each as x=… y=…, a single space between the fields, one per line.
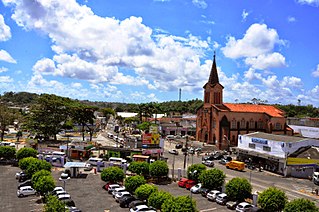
x=142 y=51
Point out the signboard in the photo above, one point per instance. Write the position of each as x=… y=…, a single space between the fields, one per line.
x=154 y=129
x=259 y=141
x=151 y=138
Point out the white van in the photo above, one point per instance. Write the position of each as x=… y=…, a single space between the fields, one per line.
x=4 y=143
x=58 y=154
x=117 y=160
x=94 y=161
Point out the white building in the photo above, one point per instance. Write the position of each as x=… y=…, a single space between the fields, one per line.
x=272 y=151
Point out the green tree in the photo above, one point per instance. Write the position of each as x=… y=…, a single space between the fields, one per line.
x=144 y=126
x=195 y=170
x=212 y=178
x=140 y=168
x=144 y=191
x=159 y=169
x=7 y=116
x=18 y=135
x=7 y=152
x=48 y=115
x=179 y=204
x=25 y=162
x=157 y=199
x=301 y=205
x=54 y=205
x=26 y=152
x=272 y=199
x=133 y=182
x=44 y=184
x=35 y=177
x=107 y=112
x=238 y=189
x=36 y=166
x=112 y=174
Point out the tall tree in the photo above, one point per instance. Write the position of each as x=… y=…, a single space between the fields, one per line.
x=7 y=116
x=48 y=116
x=272 y=199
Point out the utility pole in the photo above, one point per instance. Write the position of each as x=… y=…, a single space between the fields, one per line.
x=173 y=166
x=185 y=153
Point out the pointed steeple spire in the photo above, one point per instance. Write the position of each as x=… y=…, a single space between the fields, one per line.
x=213 y=77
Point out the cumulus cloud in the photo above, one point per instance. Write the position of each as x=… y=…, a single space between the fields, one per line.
x=309 y=2
x=3 y=69
x=5 y=56
x=200 y=3
x=315 y=73
x=5 y=33
x=291 y=19
x=258 y=39
x=5 y=79
x=265 y=61
x=110 y=46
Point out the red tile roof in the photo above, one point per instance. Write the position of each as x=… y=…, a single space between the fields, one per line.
x=251 y=108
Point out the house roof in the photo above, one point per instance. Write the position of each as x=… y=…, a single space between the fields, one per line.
x=251 y=108
x=273 y=137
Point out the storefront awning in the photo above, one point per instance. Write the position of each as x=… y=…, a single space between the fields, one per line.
x=258 y=154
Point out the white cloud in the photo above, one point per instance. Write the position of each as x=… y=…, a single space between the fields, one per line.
x=3 y=69
x=291 y=19
x=258 y=39
x=5 y=79
x=5 y=56
x=5 y=33
x=265 y=61
x=216 y=45
x=315 y=73
x=200 y=3
x=244 y=15
x=309 y=2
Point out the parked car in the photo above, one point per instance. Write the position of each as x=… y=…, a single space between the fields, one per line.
x=196 y=188
x=209 y=163
x=189 y=184
x=26 y=191
x=244 y=207
x=232 y=205
x=236 y=165
x=182 y=182
x=213 y=194
x=60 y=193
x=142 y=208
x=173 y=151
x=64 y=196
x=72 y=209
x=25 y=183
x=18 y=174
x=112 y=187
x=217 y=155
x=136 y=203
x=178 y=146
x=126 y=200
x=170 y=137
x=204 y=191
x=315 y=178
x=122 y=194
x=88 y=167
x=56 y=189
x=106 y=186
x=115 y=191
x=221 y=199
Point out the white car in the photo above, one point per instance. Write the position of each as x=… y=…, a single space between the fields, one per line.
x=112 y=187
x=18 y=174
x=119 y=195
x=196 y=188
x=64 y=196
x=60 y=193
x=115 y=191
x=26 y=191
x=141 y=208
x=243 y=207
x=213 y=194
x=221 y=199
x=56 y=189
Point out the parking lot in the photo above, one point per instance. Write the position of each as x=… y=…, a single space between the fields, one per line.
x=86 y=192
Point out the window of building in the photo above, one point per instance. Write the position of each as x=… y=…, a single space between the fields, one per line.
x=233 y=124
x=252 y=146
x=278 y=126
x=206 y=97
x=260 y=124
x=251 y=124
x=242 y=124
x=267 y=148
x=214 y=123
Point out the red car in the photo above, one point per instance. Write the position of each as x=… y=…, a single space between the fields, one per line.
x=182 y=182
x=106 y=186
x=190 y=183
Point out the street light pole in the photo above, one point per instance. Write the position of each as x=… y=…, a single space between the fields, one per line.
x=173 y=166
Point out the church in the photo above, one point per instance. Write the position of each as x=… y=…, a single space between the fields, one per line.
x=220 y=123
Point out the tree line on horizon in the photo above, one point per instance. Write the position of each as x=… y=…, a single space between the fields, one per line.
x=22 y=99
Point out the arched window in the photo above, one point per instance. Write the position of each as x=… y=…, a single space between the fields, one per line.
x=233 y=124
x=278 y=126
x=251 y=124
x=260 y=124
x=242 y=123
